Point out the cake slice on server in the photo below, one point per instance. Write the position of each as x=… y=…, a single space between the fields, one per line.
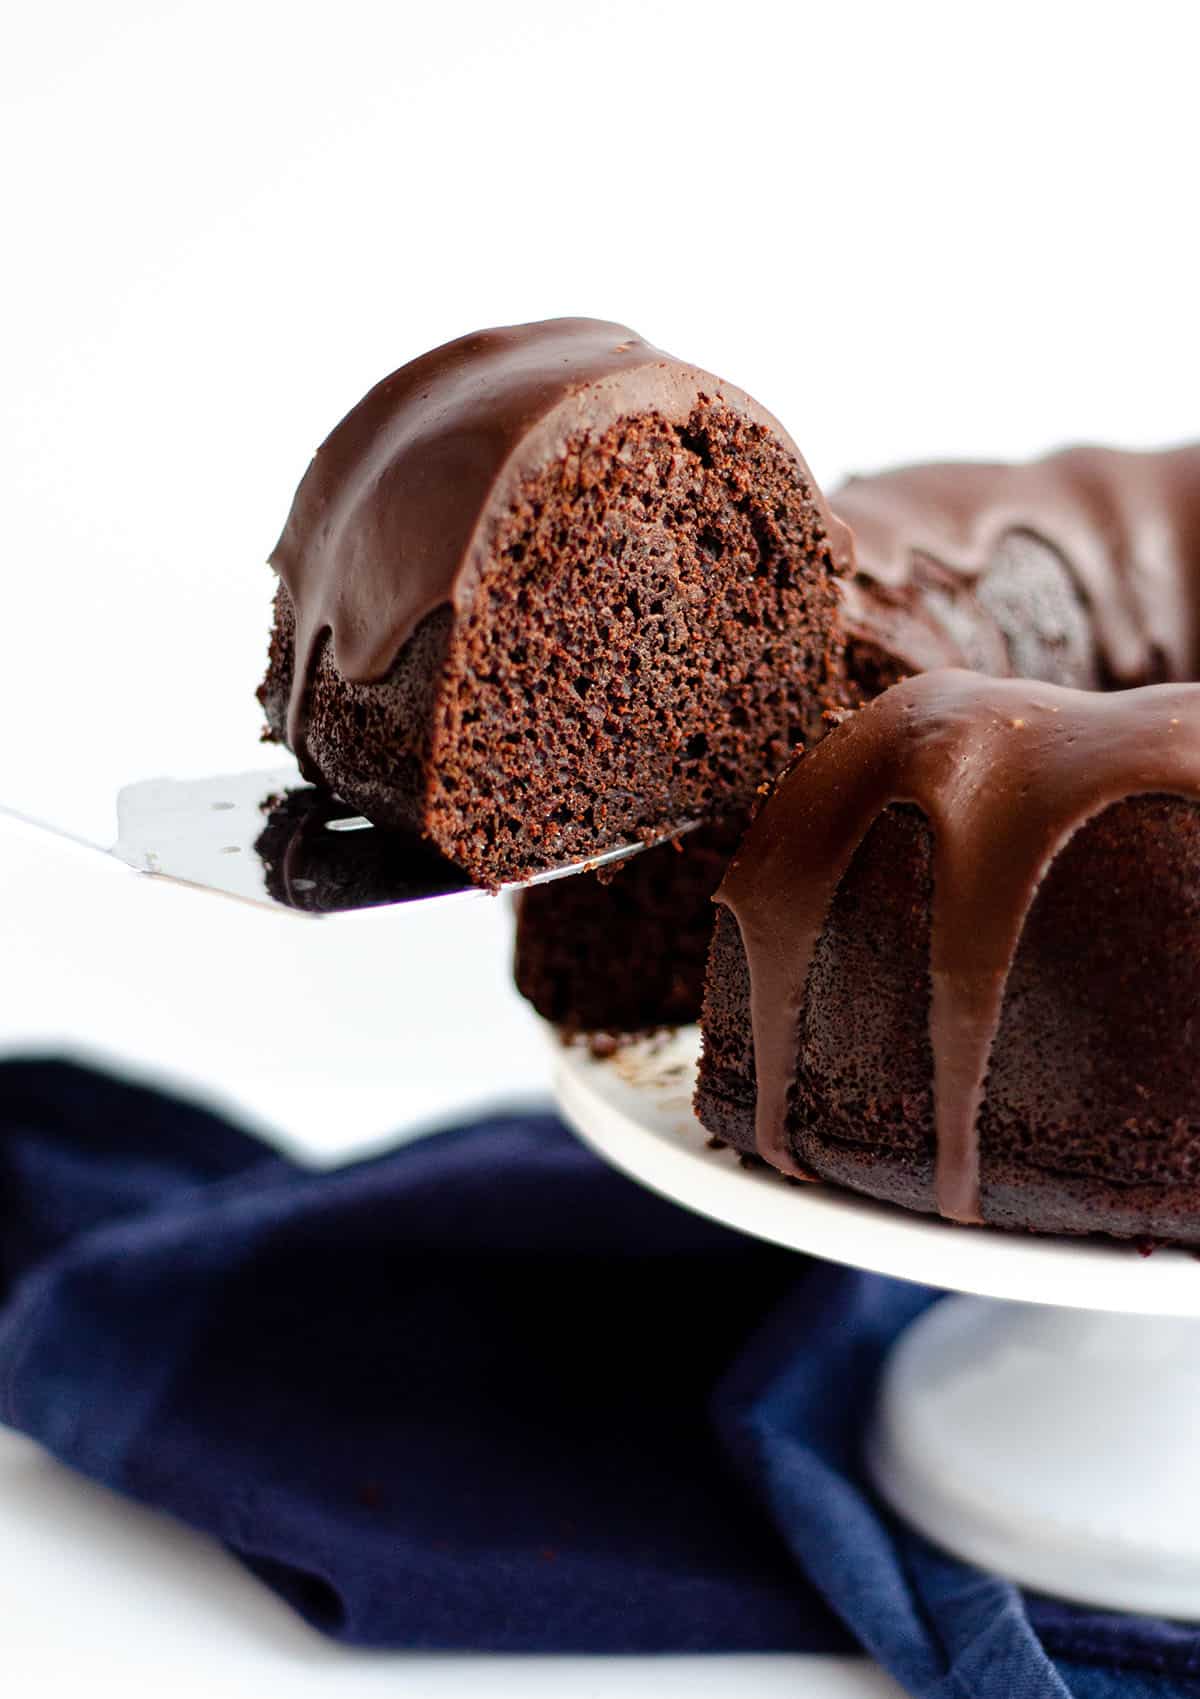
x=547 y=590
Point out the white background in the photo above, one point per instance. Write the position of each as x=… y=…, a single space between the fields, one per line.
x=910 y=230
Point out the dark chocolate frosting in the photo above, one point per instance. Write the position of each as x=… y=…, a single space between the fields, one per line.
x=391 y=519
x=1005 y=771
x=1125 y=526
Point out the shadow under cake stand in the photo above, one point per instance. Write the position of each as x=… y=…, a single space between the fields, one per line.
x=1041 y=1423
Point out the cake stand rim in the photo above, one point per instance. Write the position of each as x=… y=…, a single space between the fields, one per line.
x=633 y=1108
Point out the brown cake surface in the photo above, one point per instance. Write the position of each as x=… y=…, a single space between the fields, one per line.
x=546 y=590
x=958 y=958
x=625 y=950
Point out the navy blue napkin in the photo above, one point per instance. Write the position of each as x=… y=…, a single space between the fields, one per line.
x=484 y=1393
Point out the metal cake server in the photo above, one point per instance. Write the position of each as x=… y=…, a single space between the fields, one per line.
x=269 y=838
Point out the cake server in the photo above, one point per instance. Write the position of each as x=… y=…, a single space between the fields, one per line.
x=269 y=838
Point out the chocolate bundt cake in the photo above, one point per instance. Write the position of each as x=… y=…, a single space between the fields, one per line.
x=957 y=959
x=1082 y=568
x=546 y=590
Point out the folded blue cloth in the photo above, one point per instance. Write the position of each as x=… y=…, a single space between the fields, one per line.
x=484 y=1393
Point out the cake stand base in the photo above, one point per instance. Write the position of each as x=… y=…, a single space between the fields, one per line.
x=1056 y=1447
x=1043 y=1427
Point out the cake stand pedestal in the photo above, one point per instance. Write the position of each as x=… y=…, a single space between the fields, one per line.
x=1039 y=1425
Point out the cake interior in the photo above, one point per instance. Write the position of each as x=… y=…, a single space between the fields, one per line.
x=647 y=645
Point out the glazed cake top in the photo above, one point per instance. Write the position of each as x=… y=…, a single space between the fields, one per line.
x=391 y=519
x=1123 y=526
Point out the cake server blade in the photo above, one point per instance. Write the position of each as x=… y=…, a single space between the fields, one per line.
x=269 y=838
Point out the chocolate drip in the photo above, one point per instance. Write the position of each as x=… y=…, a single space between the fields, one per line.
x=1005 y=771
x=1125 y=525
x=391 y=520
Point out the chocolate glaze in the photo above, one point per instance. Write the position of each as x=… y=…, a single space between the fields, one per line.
x=1005 y=771
x=1125 y=525
x=391 y=519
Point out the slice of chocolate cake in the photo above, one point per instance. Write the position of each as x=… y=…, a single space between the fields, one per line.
x=546 y=590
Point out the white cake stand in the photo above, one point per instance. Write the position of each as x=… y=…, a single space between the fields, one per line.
x=1043 y=1427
